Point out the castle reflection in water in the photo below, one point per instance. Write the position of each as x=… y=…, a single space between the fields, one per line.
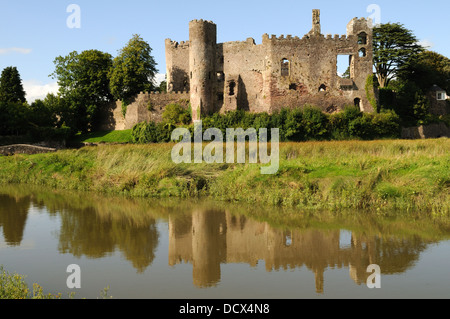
x=207 y=238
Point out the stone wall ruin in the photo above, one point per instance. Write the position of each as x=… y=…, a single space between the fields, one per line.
x=281 y=72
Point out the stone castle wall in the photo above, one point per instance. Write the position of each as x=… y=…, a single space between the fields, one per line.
x=144 y=108
x=281 y=72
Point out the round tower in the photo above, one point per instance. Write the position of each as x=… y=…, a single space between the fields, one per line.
x=202 y=65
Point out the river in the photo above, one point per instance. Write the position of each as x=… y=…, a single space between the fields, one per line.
x=176 y=249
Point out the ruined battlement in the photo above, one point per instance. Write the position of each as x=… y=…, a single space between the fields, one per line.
x=305 y=39
x=201 y=21
x=282 y=71
x=176 y=44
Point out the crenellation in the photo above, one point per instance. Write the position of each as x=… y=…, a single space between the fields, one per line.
x=292 y=70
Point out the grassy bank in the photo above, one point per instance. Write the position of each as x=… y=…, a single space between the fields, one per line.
x=376 y=175
x=103 y=137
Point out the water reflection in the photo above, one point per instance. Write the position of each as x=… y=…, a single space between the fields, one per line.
x=203 y=235
x=85 y=232
x=208 y=238
x=13 y=217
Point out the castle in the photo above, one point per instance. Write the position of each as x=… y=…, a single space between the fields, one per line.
x=281 y=72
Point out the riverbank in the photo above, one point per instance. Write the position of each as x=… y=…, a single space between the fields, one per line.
x=411 y=176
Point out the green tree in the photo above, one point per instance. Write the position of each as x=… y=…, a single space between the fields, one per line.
x=394 y=47
x=84 y=85
x=162 y=86
x=427 y=69
x=11 y=89
x=13 y=118
x=133 y=69
x=346 y=74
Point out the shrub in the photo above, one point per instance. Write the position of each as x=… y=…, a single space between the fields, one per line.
x=295 y=125
x=175 y=114
x=293 y=128
x=144 y=133
x=361 y=127
x=314 y=123
x=386 y=125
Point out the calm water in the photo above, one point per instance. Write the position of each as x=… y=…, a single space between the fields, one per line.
x=160 y=249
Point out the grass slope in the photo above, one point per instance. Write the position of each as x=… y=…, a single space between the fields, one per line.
x=375 y=175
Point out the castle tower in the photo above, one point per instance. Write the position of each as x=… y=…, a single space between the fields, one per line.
x=202 y=66
x=316 y=28
x=362 y=67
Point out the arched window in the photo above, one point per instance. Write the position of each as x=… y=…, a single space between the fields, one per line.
x=285 y=66
x=362 y=38
x=322 y=88
x=357 y=102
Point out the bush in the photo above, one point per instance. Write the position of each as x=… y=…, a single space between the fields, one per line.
x=361 y=127
x=386 y=125
x=295 y=125
x=151 y=132
x=314 y=123
x=144 y=133
x=175 y=114
x=292 y=127
x=14 y=286
x=50 y=133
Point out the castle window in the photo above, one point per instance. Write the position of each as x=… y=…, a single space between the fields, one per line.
x=362 y=38
x=231 y=87
x=344 y=66
x=322 y=88
x=357 y=102
x=293 y=86
x=441 y=96
x=362 y=52
x=285 y=65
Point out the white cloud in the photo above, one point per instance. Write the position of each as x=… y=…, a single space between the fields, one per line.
x=36 y=90
x=427 y=44
x=159 y=78
x=15 y=50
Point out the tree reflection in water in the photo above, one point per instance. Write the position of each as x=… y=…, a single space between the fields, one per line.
x=204 y=235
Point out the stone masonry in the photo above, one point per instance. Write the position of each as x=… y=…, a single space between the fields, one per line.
x=281 y=72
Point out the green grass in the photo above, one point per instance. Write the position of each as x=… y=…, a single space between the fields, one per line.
x=104 y=137
x=411 y=176
x=14 y=286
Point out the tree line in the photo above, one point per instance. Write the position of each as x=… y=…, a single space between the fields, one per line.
x=87 y=82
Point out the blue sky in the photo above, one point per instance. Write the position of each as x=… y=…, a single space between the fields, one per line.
x=33 y=33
